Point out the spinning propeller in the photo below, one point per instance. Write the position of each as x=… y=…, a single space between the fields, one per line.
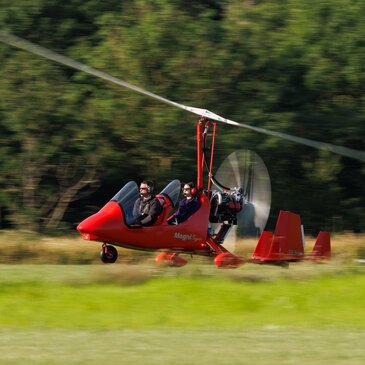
x=245 y=169
x=241 y=198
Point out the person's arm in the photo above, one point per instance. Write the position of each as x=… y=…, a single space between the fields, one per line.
x=196 y=205
x=190 y=208
x=136 y=209
x=146 y=220
x=177 y=213
x=136 y=221
x=154 y=211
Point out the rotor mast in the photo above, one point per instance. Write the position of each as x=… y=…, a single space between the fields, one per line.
x=201 y=137
x=199 y=154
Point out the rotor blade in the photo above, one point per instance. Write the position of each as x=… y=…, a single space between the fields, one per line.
x=18 y=42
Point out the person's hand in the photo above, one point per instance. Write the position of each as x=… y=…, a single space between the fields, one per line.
x=172 y=221
x=136 y=225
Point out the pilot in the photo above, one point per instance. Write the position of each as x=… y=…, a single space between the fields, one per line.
x=147 y=207
x=187 y=206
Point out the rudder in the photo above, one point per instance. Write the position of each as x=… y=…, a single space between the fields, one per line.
x=322 y=247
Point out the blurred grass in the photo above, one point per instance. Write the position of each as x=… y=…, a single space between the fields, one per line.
x=81 y=311
x=37 y=296
x=77 y=314
x=29 y=248
x=263 y=346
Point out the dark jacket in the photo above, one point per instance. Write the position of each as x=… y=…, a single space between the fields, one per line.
x=143 y=208
x=186 y=208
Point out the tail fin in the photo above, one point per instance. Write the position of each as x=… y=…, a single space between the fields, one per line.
x=262 y=249
x=322 y=247
x=285 y=245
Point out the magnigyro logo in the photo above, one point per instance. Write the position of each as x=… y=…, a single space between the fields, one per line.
x=186 y=237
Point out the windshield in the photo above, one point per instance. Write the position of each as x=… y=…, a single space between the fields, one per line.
x=172 y=190
x=126 y=198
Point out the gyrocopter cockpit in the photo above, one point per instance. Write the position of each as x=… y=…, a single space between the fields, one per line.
x=127 y=196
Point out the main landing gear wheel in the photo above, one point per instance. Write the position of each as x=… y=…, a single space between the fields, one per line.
x=108 y=254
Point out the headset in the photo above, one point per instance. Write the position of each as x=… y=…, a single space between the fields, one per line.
x=193 y=189
x=150 y=187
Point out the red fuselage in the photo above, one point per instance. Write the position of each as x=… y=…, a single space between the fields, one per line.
x=108 y=226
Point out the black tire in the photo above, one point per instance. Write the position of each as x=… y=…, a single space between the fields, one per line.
x=108 y=254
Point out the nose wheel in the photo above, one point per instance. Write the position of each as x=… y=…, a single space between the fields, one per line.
x=108 y=254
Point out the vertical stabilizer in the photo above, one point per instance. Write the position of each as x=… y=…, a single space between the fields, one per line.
x=262 y=249
x=286 y=244
x=322 y=247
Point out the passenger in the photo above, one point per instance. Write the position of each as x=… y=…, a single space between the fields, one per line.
x=147 y=207
x=187 y=206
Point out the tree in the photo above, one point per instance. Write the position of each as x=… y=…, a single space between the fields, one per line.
x=292 y=66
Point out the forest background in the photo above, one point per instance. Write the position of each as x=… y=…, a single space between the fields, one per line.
x=69 y=141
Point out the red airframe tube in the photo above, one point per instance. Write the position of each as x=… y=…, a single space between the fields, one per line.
x=199 y=157
x=211 y=156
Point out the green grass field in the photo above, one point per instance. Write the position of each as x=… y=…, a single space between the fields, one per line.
x=143 y=314
x=264 y=346
x=91 y=314
x=184 y=302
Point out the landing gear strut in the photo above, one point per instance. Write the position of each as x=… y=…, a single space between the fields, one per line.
x=108 y=254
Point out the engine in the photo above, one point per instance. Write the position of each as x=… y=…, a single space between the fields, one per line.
x=225 y=205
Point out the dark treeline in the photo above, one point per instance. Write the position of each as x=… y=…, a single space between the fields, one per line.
x=69 y=141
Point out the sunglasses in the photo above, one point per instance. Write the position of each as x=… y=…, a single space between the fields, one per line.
x=186 y=188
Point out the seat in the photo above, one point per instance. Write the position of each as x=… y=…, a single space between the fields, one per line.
x=166 y=208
